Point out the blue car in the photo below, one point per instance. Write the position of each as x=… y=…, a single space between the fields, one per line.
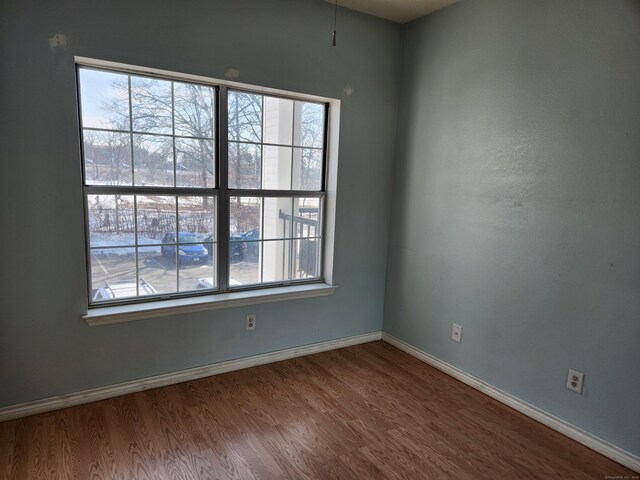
x=252 y=246
x=237 y=251
x=191 y=250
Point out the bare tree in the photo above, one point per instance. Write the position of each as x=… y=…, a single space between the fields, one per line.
x=312 y=135
x=107 y=157
x=162 y=107
x=173 y=132
x=245 y=125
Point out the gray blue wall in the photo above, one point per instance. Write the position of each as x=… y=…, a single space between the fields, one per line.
x=515 y=211
x=516 y=208
x=45 y=347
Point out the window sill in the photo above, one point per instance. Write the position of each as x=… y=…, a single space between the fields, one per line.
x=126 y=313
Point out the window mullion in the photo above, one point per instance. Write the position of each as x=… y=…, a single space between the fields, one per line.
x=325 y=145
x=275 y=193
x=173 y=135
x=293 y=141
x=175 y=182
x=135 y=241
x=133 y=182
x=262 y=150
x=223 y=184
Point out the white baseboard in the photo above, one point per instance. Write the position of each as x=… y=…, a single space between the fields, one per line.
x=101 y=393
x=607 y=449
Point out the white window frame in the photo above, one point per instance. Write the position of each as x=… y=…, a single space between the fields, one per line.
x=100 y=315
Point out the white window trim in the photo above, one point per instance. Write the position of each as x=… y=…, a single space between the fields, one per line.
x=123 y=313
x=178 y=306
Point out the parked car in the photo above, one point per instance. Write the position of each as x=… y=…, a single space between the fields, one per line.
x=208 y=284
x=204 y=283
x=249 y=237
x=239 y=247
x=190 y=248
x=111 y=291
x=253 y=234
x=237 y=252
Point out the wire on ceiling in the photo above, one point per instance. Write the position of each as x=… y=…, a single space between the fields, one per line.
x=335 y=22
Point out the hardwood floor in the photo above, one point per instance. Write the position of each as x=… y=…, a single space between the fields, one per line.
x=364 y=412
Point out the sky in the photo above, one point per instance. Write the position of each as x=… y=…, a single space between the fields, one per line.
x=96 y=88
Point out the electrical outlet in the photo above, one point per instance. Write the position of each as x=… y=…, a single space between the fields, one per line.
x=250 y=322
x=575 y=381
x=456 y=333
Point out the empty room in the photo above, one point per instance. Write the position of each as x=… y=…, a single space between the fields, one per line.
x=320 y=239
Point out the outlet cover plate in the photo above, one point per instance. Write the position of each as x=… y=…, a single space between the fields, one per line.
x=575 y=380
x=456 y=333
x=250 y=322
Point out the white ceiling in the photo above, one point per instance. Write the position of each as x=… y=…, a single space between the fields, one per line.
x=399 y=11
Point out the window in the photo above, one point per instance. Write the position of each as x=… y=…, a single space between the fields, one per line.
x=196 y=187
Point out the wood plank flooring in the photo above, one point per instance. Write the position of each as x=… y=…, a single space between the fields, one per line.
x=364 y=412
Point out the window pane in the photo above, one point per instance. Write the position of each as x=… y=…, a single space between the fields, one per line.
x=204 y=278
x=306 y=261
x=113 y=273
x=245 y=218
x=245 y=270
x=307 y=169
x=194 y=162
x=104 y=99
x=196 y=219
x=245 y=163
x=107 y=158
x=253 y=251
x=196 y=254
x=278 y=121
x=244 y=249
x=153 y=160
x=196 y=274
x=309 y=125
x=193 y=110
x=276 y=173
x=277 y=217
x=111 y=220
x=157 y=271
x=245 y=117
x=151 y=105
x=276 y=260
x=307 y=220
x=156 y=219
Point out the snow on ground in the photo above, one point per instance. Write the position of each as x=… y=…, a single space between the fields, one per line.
x=104 y=244
x=124 y=244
